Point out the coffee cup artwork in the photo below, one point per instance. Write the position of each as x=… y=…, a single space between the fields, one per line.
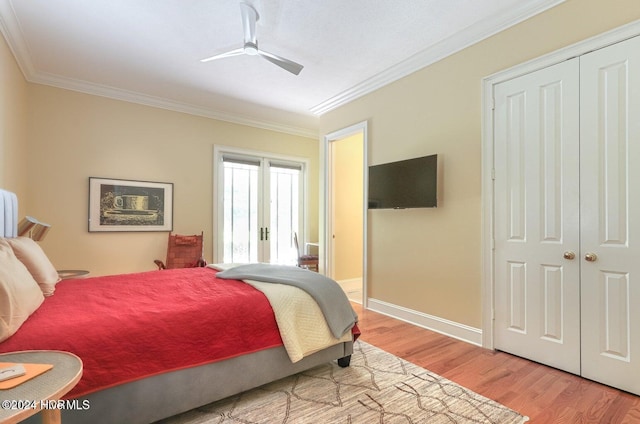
x=129 y=209
x=131 y=202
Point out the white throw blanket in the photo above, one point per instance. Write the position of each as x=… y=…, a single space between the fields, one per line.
x=327 y=293
x=302 y=325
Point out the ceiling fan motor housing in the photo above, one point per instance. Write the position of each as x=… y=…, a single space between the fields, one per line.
x=251 y=48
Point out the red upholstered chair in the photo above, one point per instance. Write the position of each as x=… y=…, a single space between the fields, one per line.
x=183 y=252
x=304 y=260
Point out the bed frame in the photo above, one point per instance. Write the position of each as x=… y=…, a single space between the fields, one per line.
x=164 y=395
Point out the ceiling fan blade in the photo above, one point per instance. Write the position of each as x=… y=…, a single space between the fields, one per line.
x=249 y=18
x=285 y=64
x=235 y=52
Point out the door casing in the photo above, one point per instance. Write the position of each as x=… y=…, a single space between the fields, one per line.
x=326 y=230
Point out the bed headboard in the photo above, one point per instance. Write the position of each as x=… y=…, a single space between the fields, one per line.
x=8 y=214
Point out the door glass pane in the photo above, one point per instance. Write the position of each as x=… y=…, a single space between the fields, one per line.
x=284 y=213
x=240 y=212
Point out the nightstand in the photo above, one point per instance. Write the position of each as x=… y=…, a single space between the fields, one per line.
x=49 y=386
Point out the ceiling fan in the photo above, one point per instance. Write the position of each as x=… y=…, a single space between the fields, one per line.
x=249 y=18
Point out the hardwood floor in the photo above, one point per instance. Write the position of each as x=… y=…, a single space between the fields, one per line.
x=544 y=394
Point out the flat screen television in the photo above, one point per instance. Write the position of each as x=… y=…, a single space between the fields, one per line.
x=411 y=183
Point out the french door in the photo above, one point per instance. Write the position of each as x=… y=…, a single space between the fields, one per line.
x=567 y=201
x=260 y=204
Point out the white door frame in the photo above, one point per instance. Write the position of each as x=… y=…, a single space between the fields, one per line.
x=593 y=43
x=326 y=253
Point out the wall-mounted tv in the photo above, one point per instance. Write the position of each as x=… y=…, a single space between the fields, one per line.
x=411 y=183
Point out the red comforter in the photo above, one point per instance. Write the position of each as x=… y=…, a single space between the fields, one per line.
x=127 y=327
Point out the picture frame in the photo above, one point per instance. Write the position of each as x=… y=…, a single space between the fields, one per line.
x=129 y=205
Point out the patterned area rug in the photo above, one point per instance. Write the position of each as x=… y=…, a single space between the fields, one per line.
x=378 y=387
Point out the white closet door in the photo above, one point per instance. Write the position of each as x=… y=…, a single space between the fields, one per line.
x=610 y=214
x=537 y=306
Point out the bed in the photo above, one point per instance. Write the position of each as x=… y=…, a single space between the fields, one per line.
x=158 y=343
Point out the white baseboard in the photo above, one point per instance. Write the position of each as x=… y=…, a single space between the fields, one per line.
x=439 y=325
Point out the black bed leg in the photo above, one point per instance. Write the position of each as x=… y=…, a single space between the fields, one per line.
x=344 y=362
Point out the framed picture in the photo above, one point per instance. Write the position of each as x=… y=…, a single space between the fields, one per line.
x=126 y=205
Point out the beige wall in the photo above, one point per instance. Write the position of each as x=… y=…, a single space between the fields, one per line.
x=347 y=207
x=73 y=136
x=429 y=260
x=13 y=125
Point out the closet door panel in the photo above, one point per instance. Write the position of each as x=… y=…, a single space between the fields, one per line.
x=536 y=216
x=610 y=212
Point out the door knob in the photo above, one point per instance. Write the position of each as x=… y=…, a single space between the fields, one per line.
x=569 y=255
x=590 y=257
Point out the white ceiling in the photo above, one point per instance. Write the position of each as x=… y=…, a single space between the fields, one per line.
x=149 y=51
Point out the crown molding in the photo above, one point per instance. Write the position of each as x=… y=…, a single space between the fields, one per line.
x=8 y=27
x=449 y=46
x=162 y=103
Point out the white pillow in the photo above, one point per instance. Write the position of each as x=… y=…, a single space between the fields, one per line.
x=37 y=262
x=20 y=295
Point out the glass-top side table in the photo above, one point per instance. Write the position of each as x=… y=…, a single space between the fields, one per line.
x=66 y=274
x=33 y=394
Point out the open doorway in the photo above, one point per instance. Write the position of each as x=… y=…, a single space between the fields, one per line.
x=346 y=210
